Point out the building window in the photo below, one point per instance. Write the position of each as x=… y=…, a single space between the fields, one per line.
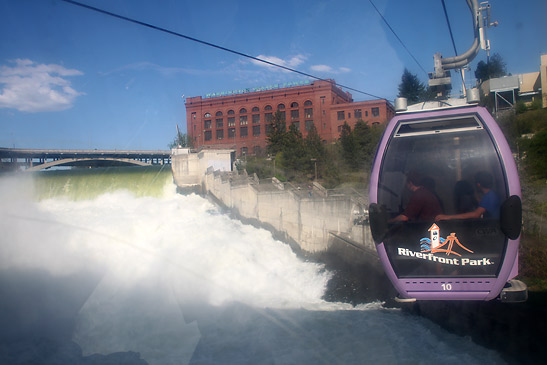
x=208 y=135
x=231 y=133
x=297 y=125
x=268 y=117
x=193 y=115
x=220 y=134
x=308 y=113
x=220 y=123
x=307 y=103
x=282 y=115
x=268 y=107
x=207 y=115
x=375 y=112
x=255 y=109
x=341 y=115
x=231 y=112
x=207 y=124
x=281 y=107
x=243 y=132
x=339 y=128
x=294 y=105
x=244 y=151
x=294 y=114
x=242 y=120
x=218 y=114
x=231 y=121
x=242 y=111
x=256 y=130
x=308 y=125
x=357 y=113
x=256 y=118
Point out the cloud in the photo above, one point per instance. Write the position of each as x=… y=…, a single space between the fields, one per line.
x=292 y=62
x=32 y=87
x=329 y=69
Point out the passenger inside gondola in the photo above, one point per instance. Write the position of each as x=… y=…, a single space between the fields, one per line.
x=424 y=204
x=489 y=205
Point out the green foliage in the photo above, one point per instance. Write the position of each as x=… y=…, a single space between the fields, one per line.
x=531 y=122
x=276 y=136
x=536 y=159
x=412 y=89
x=495 y=67
x=349 y=146
x=181 y=140
x=359 y=145
x=295 y=155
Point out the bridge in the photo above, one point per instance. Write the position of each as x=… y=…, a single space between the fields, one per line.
x=38 y=159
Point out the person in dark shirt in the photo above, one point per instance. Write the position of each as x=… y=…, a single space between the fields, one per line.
x=489 y=205
x=423 y=204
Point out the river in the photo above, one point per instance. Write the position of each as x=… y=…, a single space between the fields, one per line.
x=113 y=266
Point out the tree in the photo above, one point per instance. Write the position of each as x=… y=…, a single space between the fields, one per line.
x=276 y=136
x=295 y=156
x=495 y=67
x=349 y=146
x=313 y=144
x=181 y=140
x=411 y=88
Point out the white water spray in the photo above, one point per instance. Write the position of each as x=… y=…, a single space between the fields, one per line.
x=178 y=282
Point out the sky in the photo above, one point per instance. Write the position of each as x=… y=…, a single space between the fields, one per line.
x=73 y=78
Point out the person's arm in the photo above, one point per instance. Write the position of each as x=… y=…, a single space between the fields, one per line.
x=399 y=218
x=477 y=213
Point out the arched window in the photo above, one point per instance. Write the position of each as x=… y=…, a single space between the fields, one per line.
x=207 y=115
x=255 y=109
x=268 y=108
x=294 y=104
x=307 y=103
x=231 y=112
x=218 y=114
x=242 y=111
x=281 y=107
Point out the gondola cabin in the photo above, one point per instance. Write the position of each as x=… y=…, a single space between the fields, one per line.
x=445 y=206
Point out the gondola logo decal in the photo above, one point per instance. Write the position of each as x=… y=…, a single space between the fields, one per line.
x=435 y=244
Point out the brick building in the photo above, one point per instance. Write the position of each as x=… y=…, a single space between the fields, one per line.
x=241 y=119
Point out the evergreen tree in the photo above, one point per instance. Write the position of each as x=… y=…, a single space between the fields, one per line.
x=276 y=136
x=349 y=146
x=295 y=155
x=181 y=140
x=411 y=88
x=314 y=145
x=495 y=67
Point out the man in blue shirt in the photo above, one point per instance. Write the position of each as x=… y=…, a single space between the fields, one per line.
x=489 y=205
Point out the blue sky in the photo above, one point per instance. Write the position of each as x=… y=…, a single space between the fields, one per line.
x=74 y=78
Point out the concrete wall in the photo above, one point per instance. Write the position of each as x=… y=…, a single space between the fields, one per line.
x=311 y=222
x=189 y=168
x=310 y=218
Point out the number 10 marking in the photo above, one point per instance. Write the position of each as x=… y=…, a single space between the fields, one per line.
x=446 y=286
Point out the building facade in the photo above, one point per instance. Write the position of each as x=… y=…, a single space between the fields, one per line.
x=241 y=119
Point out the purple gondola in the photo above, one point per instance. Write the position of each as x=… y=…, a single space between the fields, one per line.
x=447 y=257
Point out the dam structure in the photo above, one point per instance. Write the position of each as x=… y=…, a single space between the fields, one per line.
x=311 y=217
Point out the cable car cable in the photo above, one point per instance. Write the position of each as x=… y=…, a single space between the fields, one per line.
x=396 y=36
x=148 y=25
